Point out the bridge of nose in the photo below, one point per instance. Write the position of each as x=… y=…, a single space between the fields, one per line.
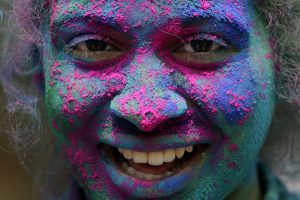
x=147 y=101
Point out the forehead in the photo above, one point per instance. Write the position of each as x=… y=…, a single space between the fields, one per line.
x=132 y=14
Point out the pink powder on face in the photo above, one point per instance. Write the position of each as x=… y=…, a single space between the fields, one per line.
x=166 y=9
x=232 y=165
x=229 y=17
x=54 y=69
x=205 y=5
x=268 y=56
x=54 y=124
x=233 y=148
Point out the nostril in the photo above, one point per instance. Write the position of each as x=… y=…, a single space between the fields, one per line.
x=147 y=112
x=149 y=116
x=150 y=119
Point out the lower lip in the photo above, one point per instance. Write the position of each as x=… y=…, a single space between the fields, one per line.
x=142 y=188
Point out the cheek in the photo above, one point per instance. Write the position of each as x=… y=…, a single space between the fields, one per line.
x=86 y=163
x=237 y=95
x=229 y=95
x=74 y=95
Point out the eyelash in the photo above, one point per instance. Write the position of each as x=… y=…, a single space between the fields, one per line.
x=206 y=36
x=214 y=56
x=75 y=41
x=187 y=39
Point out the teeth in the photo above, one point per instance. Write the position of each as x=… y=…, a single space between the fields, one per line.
x=128 y=154
x=142 y=175
x=158 y=176
x=168 y=173
x=189 y=149
x=179 y=152
x=155 y=158
x=149 y=176
x=169 y=155
x=124 y=165
x=130 y=170
x=120 y=150
x=139 y=157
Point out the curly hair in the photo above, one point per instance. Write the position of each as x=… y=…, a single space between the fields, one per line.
x=284 y=25
x=21 y=65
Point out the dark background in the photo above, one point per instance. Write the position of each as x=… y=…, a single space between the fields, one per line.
x=15 y=183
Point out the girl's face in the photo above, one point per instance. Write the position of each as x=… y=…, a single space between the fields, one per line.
x=158 y=98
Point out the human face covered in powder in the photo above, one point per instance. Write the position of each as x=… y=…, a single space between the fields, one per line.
x=158 y=98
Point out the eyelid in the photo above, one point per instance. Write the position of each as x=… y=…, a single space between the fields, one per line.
x=75 y=41
x=206 y=36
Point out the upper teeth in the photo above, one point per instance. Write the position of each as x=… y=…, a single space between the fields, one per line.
x=155 y=158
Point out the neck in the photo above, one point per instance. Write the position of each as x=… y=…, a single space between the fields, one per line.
x=248 y=189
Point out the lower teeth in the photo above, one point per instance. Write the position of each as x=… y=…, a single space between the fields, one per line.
x=142 y=175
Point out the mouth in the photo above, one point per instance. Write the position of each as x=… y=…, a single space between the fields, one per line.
x=155 y=165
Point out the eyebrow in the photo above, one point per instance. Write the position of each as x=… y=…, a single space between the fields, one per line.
x=184 y=22
x=231 y=17
x=63 y=19
x=237 y=24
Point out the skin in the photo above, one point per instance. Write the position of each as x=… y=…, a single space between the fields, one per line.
x=224 y=97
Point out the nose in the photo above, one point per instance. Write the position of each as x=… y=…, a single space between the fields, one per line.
x=147 y=108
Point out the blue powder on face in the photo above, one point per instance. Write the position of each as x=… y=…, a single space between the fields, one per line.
x=170 y=107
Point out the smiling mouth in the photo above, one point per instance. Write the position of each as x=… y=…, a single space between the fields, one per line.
x=151 y=166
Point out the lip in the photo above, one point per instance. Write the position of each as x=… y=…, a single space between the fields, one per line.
x=158 y=143
x=153 y=188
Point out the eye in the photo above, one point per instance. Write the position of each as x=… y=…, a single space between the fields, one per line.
x=203 y=49
x=93 y=45
x=93 y=49
x=201 y=46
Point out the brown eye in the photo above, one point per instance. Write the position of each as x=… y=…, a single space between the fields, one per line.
x=203 y=51
x=93 y=46
x=93 y=50
x=201 y=45
x=96 y=45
